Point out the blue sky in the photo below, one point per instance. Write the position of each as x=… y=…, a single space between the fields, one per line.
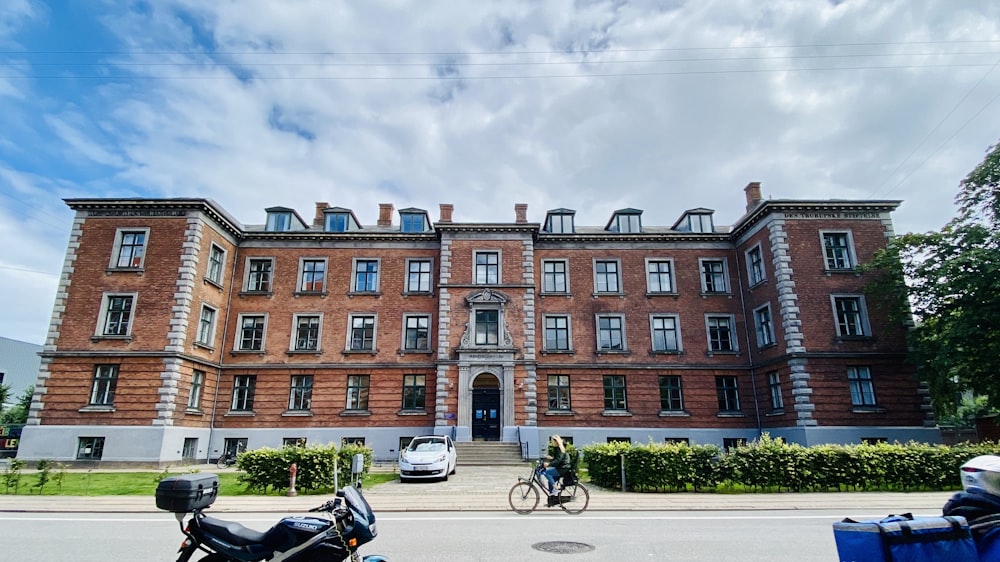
x=592 y=105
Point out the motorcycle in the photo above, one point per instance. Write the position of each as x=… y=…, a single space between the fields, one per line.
x=344 y=524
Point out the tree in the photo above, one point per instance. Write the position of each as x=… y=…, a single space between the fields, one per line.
x=18 y=414
x=949 y=281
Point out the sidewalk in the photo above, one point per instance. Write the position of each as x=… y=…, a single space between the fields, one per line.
x=483 y=488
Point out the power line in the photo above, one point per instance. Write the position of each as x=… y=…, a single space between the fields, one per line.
x=11 y=268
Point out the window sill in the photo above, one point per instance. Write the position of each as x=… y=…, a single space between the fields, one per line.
x=565 y=294
x=296 y=414
x=613 y=352
x=411 y=413
x=240 y=413
x=616 y=414
x=778 y=412
x=558 y=352
x=360 y=352
x=868 y=410
x=666 y=352
x=204 y=346
x=414 y=352
x=126 y=339
x=355 y=413
x=216 y=284
x=560 y=413
x=418 y=293
x=650 y=294
x=730 y=415
x=842 y=271
x=248 y=352
x=841 y=339
x=304 y=352
x=620 y=295
x=320 y=294
x=712 y=353
x=706 y=294
x=352 y=294
x=193 y=412
x=758 y=284
x=767 y=345
x=244 y=294
x=95 y=409
x=136 y=270
x=674 y=414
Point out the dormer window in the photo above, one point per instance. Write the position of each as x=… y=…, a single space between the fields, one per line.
x=625 y=221
x=413 y=222
x=559 y=221
x=700 y=223
x=279 y=222
x=283 y=219
x=339 y=220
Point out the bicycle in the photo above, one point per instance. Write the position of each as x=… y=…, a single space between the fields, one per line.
x=572 y=496
x=229 y=458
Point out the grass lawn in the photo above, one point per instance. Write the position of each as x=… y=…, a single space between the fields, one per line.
x=139 y=484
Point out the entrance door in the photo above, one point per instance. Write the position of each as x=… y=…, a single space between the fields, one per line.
x=486 y=414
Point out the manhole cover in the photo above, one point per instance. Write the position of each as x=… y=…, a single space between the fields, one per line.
x=562 y=547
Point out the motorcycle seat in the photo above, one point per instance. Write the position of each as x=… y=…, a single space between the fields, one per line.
x=232 y=532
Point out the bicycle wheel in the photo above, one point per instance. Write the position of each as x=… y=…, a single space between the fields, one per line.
x=523 y=498
x=573 y=499
x=223 y=461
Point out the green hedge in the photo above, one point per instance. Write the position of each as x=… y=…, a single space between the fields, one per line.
x=268 y=469
x=769 y=465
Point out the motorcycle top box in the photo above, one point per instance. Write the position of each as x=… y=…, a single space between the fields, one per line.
x=187 y=492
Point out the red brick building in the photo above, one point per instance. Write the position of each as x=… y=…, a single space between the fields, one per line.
x=178 y=332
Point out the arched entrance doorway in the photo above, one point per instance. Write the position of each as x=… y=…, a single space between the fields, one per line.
x=486 y=407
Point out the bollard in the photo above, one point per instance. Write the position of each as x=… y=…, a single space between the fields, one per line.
x=292 y=471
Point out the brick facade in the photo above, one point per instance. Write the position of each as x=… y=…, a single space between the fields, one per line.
x=502 y=310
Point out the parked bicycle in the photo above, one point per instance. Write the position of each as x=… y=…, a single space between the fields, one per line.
x=572 y=496
x=229 y=457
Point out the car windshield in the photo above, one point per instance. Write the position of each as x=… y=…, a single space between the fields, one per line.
x=426 y=446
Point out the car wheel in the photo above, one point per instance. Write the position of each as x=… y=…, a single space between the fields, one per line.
x=445 y=477
x=454 y=469
x=403 y=480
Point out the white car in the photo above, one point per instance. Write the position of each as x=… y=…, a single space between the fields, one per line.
x=428 y=456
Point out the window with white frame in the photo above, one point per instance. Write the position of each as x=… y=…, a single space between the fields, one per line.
x=558 y=392
x=216 y=264
x=615 y=397
x=250 y=336
x=206 y=325
x=357 y=392
x=102 y=389
x=414 y=392
x=626 y=223
x=714 y=276
x=487 y=325
x=727 y=391
x=764 y=326
x=244 y=387
x=130 y=248
x=307 y=332
x=851 y=315
x=197 y=389
x=838 y=250
x=611 y=332
x=366 y=279
x=412 y=222
x=607 y=276
x=755 y=265
x=259 y=271
x=862 y=388
x=557 y=333
x=774 y=385
x=116 y=315
x=338 y=222
x=665 y=329
x=487 y=270
x=554 y=276
x=416 y=332
x=671 y=395
x=312 y=275
x=300 y=393
x=361 y=336
x=660 y=276
x=418 y=276
x=700 y=222
x=279 y=221
x=720 y=333
x=559 y=223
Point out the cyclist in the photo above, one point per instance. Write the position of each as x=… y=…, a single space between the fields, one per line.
x=557 y=464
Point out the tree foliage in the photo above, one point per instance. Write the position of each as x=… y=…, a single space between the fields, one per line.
x=17 y=414
x=949 y=280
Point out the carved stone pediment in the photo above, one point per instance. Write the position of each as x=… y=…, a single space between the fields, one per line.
x=486 y=296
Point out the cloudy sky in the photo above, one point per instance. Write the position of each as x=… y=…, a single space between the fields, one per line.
x=592 y=105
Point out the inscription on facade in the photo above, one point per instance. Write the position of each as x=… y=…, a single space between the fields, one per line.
x=137 y=213
x=832 y=215
x=485 y=356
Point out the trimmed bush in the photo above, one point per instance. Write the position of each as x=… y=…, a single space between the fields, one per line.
x=267 y=469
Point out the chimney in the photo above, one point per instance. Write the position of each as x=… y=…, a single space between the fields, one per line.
x=385 y=214
x=520 y=212
x=753 y=195
x=446 y=209
x=320 y=207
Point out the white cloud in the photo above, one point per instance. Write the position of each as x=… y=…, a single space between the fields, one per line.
x=654 y=105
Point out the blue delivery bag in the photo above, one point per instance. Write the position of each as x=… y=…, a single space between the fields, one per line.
x=903 y=538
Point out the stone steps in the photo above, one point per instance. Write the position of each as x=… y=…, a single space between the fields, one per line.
x=488 y=453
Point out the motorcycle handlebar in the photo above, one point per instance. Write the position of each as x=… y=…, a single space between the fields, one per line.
x=329 y=506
